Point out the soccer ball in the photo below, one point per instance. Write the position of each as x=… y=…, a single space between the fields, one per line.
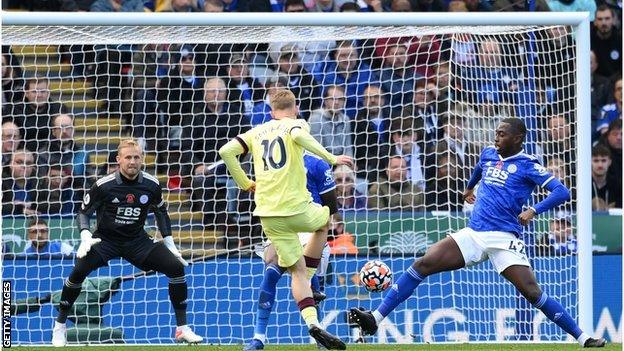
x=376 y=276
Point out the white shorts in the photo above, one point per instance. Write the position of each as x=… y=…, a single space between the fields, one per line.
x=503 y=249
x=303 y=239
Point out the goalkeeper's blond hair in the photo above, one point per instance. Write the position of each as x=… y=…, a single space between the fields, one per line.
x=282 y=99
x=128 y=143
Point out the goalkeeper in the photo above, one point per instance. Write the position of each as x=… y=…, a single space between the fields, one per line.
x=283 y=203
x=122 y=201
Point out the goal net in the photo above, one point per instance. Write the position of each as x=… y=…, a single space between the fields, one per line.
x=414 y=105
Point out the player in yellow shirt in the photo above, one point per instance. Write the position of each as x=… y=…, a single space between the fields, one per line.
x=283 y=202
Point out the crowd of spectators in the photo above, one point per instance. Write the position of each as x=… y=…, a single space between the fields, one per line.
x=415 y=112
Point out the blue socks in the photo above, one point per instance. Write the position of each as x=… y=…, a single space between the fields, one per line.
x=403 y=288
x=555 y=312
x=315 y=283
x=400 y=291
x=272 y=275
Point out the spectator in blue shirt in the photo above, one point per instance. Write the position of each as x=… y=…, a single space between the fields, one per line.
x=613 y=111
x=117 y=6
x=18 y=191
x=348 y=71
x=262 y=111
x=40 y=244
x=560 y=241
x=54 y=192
x=397 y=77
x=491 y=74
x=300 y=81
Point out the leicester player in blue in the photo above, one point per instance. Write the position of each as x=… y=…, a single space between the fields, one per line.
x=508 y=177
x=320 y=183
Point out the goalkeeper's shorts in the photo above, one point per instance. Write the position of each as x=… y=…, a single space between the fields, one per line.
x=283 y=231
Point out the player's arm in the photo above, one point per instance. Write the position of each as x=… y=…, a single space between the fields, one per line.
x=468 y=195
x=558 y=193
x=163 y=222
x=229 y=154
x=303 y=138
x=91 y=202
x=475 y=177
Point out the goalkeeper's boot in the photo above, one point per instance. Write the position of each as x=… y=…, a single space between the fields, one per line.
x=324 y=338
x=364 y=319
x=318 y=296
x=185 y=334
x=255 y=344
x=591 y=342
x=59 y=334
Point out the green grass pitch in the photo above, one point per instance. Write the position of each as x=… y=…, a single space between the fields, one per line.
x=371 y=347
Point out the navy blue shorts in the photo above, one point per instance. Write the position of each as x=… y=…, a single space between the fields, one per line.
x=134 y=251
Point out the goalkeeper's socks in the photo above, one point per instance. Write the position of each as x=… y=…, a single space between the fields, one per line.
x=556 y=313
x=308 y=311
x=178 y=294
x=400 y=291
x=68 y=297
x=272 y=274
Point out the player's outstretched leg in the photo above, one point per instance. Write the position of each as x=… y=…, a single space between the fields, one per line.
x=442 y=256
x=160 y=259
x=523 y=279
x=71 y=289
x=303 y=295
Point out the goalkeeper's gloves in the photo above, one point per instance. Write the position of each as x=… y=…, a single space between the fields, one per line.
x=86 y=241
x=168 y=240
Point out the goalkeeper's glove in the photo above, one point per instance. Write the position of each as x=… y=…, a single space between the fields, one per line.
x=86 y=241
x=168 y=240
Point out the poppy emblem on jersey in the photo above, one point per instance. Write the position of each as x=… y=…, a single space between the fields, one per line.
x=499 y=165
x=130 y=198
x=143 y=199
x=512 y=168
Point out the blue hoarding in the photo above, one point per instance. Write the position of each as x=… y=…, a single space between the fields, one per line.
x=468 y=305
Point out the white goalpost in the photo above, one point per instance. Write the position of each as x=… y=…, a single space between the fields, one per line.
x=430 y=87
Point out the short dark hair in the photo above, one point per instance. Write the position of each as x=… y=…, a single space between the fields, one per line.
x=402 y=125
x=601 y=150
x=289 y=3
x=420 y=83
x=517 y=126
x=451 y=118
x=334 y=87
x=350 y=6
x=617 y=124
x=36 y=220
x=343 y=44
x=605 y=7
x=35 y=81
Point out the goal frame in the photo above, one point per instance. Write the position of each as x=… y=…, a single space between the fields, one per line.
x=579 y=21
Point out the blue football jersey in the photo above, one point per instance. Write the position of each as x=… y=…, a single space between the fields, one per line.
x=320 y=178
x=506 y=185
